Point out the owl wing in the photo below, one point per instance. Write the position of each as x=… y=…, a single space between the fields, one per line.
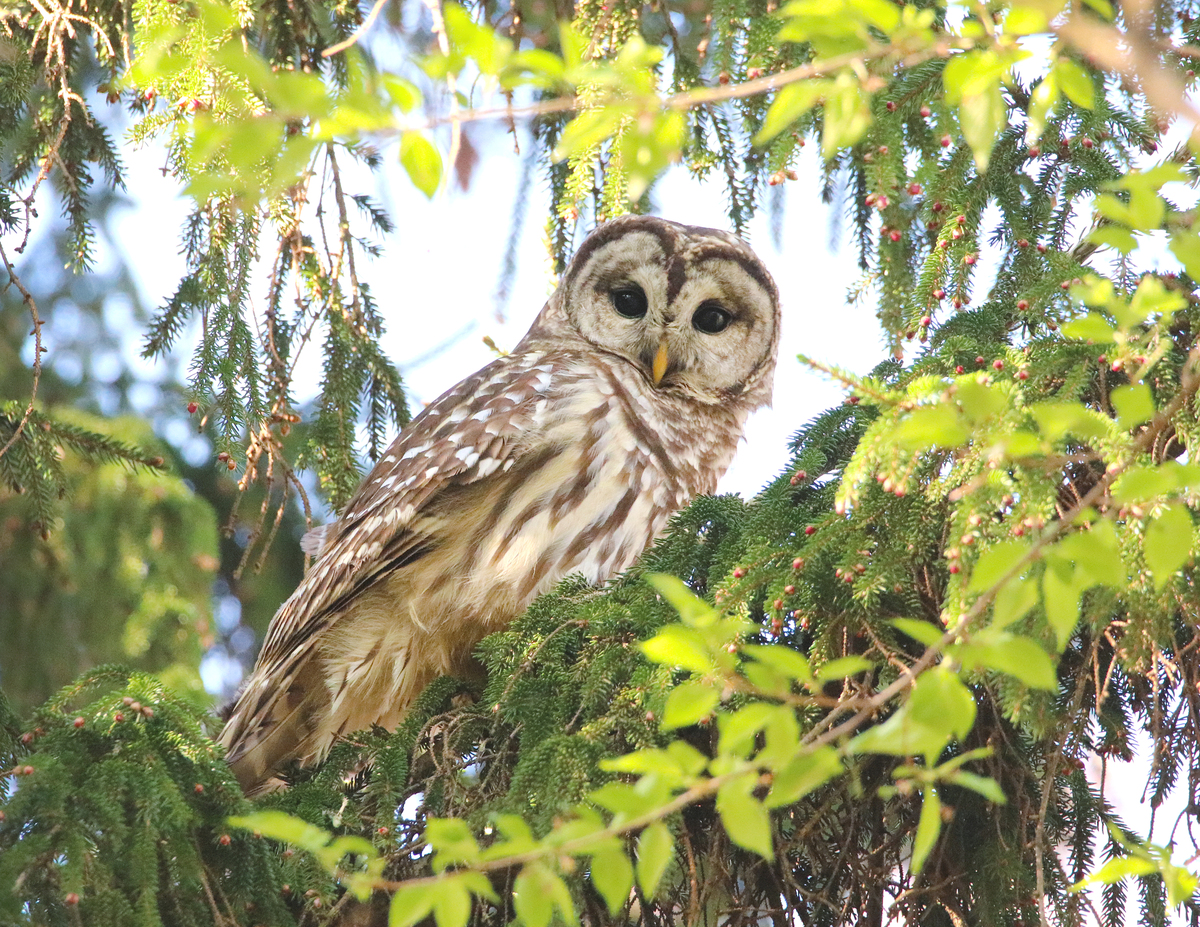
x=482 y=425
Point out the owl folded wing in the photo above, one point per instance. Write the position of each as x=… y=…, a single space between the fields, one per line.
x=483 y=425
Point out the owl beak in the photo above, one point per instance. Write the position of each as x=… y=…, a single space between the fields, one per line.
x=661 y=361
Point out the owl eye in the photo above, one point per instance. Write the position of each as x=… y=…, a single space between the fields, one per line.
x=710 y=318
x=630 y=301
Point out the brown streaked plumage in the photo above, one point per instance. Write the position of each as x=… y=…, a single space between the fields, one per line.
x=626 y=398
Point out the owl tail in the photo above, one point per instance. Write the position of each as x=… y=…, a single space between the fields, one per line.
x=268 y=730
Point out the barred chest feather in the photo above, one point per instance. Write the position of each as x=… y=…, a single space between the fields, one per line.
x=604 y=485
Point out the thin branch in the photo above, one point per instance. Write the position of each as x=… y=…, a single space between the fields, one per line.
x=358 y=33
x=28 y=299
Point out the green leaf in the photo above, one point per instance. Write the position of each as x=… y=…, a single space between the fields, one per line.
x=1180 y=883
x=1168 y=543
x=410 y=905
x=983 y=117
x=693 y=610
x=1151 y=301
x=739 y=728
x=1186 y=247
x=452 y=842
x=782 y=736
x=973 y=80
x=1041 y=102
x=422 y=161
x=1060 y=420
x=928 y=828
x=688 y=704
x=938 y=425
x=650 y=761
x=1134 y=404
x=1013 y=602
x=987 y=787
x=1115 y=236
x=1061 y=588
x=675 y=645
x=842 y=667
x=790 y=663
x=1016 y=656
x=279 y=825
x=1143 y=482
x=790 y=103
x=847 y=115
x=995 y=562
x=531 y=902
x=921 y=631
x=1096 y=553
x=1092 y=327
x=899 y=735
x=1117 y=869
x=744 y=818
x=982 y=402
x=940 y=700
x=589 y=129
x=612 y=874
x=1025 y=20
x=654 y=852
x=649 y=147
x=1075 y=82
x=940 y=707
x=519 y=838
x=621 y=799
x=452 y=903
x=801 y=775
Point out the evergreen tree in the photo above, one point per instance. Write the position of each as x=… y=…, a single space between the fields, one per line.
x=866 y=695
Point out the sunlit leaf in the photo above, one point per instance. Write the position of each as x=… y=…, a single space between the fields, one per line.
x=803 y=774
x=744 y=818
x=1011 y=654
x=676 y=645
x=688 y=704
x=693 y=610
x=1075 y=82
x=410 y=905
x=929 y=826
x=654 y=852
x=790 y=103
x=1168 y=543
x=612 y=874
x=422 y=161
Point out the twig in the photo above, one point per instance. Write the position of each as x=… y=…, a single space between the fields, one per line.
x=27 y=298
x=704 y=96
x=358 y=33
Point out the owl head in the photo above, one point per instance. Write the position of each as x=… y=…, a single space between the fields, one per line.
x=693 y=310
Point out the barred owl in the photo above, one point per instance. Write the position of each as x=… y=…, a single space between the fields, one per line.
x=626 y=398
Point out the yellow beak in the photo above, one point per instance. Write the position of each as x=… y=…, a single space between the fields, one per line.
x=660 y=362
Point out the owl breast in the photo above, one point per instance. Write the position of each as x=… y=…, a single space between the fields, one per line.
x=595 y=497
x=595 y=491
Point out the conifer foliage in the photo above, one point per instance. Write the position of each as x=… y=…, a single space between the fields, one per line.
x=878 y=692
